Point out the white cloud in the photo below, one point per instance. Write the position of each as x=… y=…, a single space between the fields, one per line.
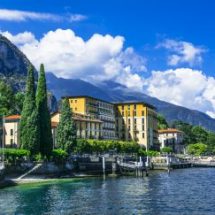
x=20 y=16
x=182 y=52
x=185 y=87
x=21 y=38
x=102 y=57
x=77 y=17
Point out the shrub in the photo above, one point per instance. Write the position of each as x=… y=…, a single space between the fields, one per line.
x=152 y=153
x=13 y=155
x=59 y=155
x=197 y=149
x=82 y=146
x=38 y=157
x=102 y=146
x=166 y=149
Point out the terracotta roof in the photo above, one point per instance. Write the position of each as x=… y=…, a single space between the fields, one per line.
x=170 y=130
x=54 y=124
x=13 y=117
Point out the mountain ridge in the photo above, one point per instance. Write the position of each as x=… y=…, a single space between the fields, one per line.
x=74 y=87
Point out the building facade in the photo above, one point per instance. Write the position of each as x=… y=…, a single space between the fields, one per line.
x=87 y=126
x=11 y=131
x=97 y=119
x=98 y=110
x=173 y=138
x=137 y=121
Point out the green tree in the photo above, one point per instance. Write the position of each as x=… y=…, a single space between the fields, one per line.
x=19 y=100
x=211 y=143
x=162 y=123
x=29 y=124
x=46 y=142
x=166 y=149
x=199 y=134
x=189 y=137
x=197 y=149
x=66 y=130
x=7 y=99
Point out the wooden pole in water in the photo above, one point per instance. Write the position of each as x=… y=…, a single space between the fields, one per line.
x=168 y=164
x=103 y=164
x=147 y=165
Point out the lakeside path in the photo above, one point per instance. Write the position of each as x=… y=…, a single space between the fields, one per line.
x=14 y=181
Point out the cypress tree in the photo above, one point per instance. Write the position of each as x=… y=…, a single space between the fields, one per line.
x=66 y=130
x=29 y=124
x=46 y=142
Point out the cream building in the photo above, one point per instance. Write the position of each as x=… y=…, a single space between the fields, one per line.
x=173 y=138
x=87 y=127
x=137 y=121
x=11 y=134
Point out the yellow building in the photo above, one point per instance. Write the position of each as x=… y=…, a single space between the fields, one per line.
x=87 y=127
x=137 y=121
x=97 y=109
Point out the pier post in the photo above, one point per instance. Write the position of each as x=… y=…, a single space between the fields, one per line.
x=114 y=168
x=168 y=163
x=103 y=164
x=147 y=165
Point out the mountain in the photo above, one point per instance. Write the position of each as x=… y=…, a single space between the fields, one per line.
x=14 y=67
x=111 y=91
x=72 y=87
x=13 y=64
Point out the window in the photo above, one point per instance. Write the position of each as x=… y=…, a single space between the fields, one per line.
x=142 y=112
x=135 y=106
x=143 y=135
x=122 y=107
x=76 y=109
x=75 y=101
x=123 y=113
x=135 y=121
x=11 y=141
x=71 y=101
x=128 y=113
x=135 y=113
x=129 y=121
x=11 y=132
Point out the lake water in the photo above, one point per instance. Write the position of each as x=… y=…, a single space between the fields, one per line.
x=186 y=191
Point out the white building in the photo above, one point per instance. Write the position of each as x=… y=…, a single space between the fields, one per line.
x=173 y=138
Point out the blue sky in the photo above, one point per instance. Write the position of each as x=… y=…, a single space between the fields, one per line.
x=142 y=23
x=157 y=45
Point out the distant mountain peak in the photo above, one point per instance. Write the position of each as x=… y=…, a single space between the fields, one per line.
x=13 y=64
